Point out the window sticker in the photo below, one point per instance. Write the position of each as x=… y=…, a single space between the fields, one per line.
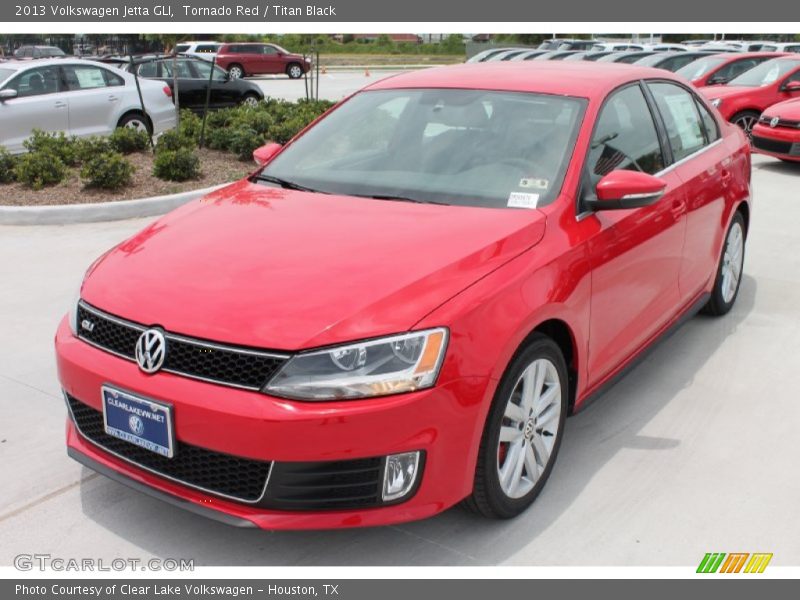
x=522 y=200
x=534 y=183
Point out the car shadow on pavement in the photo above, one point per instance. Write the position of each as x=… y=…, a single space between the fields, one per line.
x=779 y=167
x=610 y=426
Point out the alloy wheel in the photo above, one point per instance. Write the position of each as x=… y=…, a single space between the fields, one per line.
x=746 y=123
x=250 y=101
x=235 y=72
x=136 y=124
x=529 y=428
x=732 y=262
x=295 y=72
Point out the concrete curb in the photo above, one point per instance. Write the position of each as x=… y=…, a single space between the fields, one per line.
x=101 y=211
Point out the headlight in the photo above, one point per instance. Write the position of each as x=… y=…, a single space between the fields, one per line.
x=389 y=365
x=716 y=102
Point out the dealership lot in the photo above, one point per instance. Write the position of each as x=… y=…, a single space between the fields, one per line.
x=696 y=446
x=333 y=85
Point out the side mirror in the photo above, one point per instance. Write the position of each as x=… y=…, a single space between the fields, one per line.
x=263 y=154
x=620 y=190
x=7 y=95
x=792 y=86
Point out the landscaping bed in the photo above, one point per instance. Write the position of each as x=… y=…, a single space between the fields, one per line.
x=215 y=166
x=59 y=170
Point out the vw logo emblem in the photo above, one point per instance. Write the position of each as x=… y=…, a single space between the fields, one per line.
x=151 y=348
x=136 y=425
x=774 y=121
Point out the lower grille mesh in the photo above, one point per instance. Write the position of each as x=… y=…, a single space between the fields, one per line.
x=218 y=473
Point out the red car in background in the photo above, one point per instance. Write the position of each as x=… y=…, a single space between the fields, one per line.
x=718 y=69
x=398 y=311
x=777 y=132
x=243 y=59
x=744 y=99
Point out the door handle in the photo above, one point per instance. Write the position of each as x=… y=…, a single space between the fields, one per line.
x=112 y=98
x=60 y=104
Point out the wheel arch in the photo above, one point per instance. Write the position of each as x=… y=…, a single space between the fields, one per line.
x=138 y=112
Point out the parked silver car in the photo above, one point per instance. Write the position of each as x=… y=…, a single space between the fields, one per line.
x=78 y=97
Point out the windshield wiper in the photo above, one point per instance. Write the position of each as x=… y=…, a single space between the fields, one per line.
x=286 y=184
x=400 y=199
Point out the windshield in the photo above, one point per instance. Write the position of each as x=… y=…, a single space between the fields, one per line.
x=5 y=74
x=700 y=67
x=766 y=73
x=446 y=146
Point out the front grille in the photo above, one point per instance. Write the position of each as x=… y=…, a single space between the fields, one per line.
x=214 y=472
x=770 y=145
x=329 y=485
x=781 y=122
x=228 y=365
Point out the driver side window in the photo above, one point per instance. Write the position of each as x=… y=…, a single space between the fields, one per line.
x=625 y=137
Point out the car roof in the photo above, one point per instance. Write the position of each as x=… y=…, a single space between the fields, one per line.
x=20 y=65
x=570 y=78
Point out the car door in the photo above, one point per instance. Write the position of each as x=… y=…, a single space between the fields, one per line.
x=191 y=90
x=223 y=90
x=271 y=60
x=94 y=96
x=703 y=164
x=40 y=104
x=635 y=254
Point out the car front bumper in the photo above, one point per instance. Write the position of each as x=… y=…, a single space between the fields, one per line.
x=444 y=423
x=780 y=142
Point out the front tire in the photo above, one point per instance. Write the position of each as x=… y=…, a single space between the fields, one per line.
x=294 y=71
x=523 y=431
x=250 y=100
x=729 y=270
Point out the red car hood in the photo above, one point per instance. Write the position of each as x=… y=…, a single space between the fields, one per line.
x=726 y=91
x=788 y=109
x=281 y=269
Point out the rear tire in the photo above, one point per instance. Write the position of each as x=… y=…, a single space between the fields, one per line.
x=136 y=121
x=519 y=430
x=745 y=120
x=236 y=71
x=294 y=71
x=729 y=271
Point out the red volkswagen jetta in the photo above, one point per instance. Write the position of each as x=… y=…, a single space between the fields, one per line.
x=777 y=132
x=399 y=310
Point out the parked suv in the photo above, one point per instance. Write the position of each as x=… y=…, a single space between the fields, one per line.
x=241 y=60
x=29 y=52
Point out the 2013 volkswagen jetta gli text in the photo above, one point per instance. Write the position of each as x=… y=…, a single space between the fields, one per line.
x=400 y=308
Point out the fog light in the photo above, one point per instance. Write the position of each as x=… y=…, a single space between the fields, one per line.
x=400 y=475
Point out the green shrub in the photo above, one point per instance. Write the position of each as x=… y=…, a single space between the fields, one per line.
x=243 y=141
x=190 y=124
x=87 y=148
x=57 y=144
x=173 y=140
x=108 y=171
x=41 y=168
x=219 y=138
x=127 y=140
x=176 y=165
x=7 y=163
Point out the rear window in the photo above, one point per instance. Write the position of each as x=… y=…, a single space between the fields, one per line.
x=182 y=48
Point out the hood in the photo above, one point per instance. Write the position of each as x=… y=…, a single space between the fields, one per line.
x=286 y=270
x=788 y=110
x=726 y=91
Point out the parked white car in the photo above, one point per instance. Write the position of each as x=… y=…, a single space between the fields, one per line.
x=667 y=47
x=616 y=46
x=204 y=50
x=782 y=47
x=78 y=97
